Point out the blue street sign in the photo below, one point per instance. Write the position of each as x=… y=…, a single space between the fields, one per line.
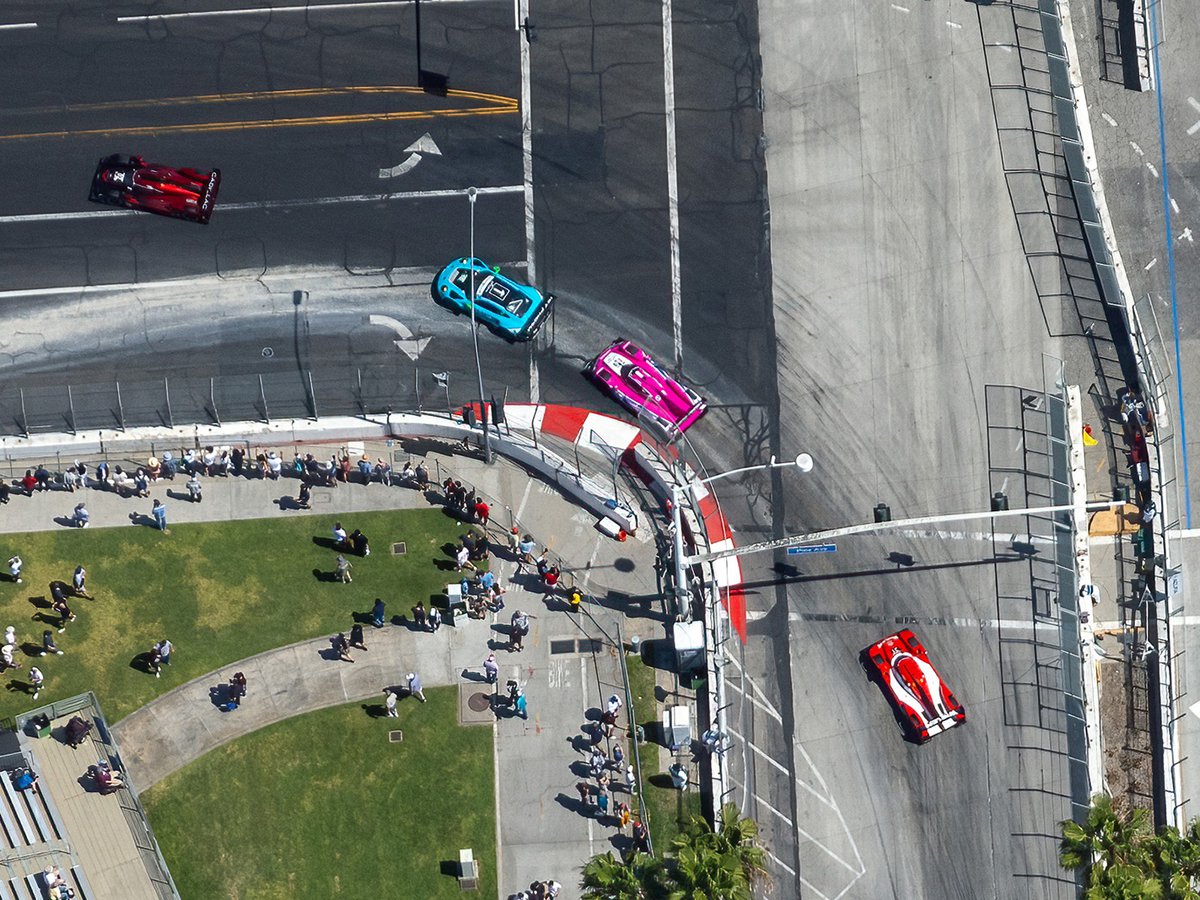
x=812 y=548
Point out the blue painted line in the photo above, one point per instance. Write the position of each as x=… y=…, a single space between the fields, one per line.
x=1166 y=192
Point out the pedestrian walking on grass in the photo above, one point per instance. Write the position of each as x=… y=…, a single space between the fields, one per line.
x=79 y=582
x=418 y=613
x=356 y=637
x=14 y=569
x=491 y=668
x=377 y=613
x=159 y=511
x=165 y=649
x=49 y=648
x=389 y=702
x=36 y=680
x=343 y=570
x=59 y=605
x=414 y=686
x=435 y=619
x=154 y=661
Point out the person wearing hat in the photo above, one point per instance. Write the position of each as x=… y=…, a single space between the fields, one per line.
x=414 y=686
x=153 y=468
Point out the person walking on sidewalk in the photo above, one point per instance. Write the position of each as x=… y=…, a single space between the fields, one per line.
x=517 y=631
x=389 y=702
x=414 y=686
x=491 y=668
x=14 y=569
x=522 y=704
x=159 y=511
x=435 y=619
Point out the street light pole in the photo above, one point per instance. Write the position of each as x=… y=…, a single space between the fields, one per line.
x=472 y=193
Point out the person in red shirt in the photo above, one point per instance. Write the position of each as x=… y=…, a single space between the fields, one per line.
x=482 y=513
x=29 y=482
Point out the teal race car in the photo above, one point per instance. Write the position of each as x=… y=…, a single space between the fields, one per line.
x=509 y=309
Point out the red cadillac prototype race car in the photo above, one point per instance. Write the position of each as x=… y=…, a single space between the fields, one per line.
x=134 y=183
x=924 y=702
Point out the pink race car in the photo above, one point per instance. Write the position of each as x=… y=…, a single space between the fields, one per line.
x=631 y=377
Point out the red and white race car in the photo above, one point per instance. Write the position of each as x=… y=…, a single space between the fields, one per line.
x=136 y=184
x=924 y=702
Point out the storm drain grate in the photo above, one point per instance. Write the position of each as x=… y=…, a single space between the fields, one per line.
x=571 y=645
x=398 y=548
x=395 y=737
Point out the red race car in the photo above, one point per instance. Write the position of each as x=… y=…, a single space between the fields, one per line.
x=136 y=184
x=924 y=702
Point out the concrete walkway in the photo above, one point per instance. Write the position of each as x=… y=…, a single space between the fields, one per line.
x=542 y=834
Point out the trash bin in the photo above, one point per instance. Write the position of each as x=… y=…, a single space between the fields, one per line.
x=41 y=726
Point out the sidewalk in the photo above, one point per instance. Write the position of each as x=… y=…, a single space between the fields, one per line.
x=542 y=833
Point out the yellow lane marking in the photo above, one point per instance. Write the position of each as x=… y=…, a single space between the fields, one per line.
x=503 y=106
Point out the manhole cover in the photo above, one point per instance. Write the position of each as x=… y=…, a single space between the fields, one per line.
x=398 y=549
x=268 y=352
x=395 y=737
x=479 y=702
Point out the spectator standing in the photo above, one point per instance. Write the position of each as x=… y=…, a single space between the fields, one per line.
x=79 y=582
x=274 y=465
x=585 y=793
x=364 y=469
x=389 y=702
x=159 y=511
x=641 y=837
x=36 y=680
x=518 y=628
x=602 y=801
x=614 y=704
x=305 y=500
x=60 y=606
x=418 y=612
x=435 y=619
x=598 y=762
x=14 y=569
x=522 y=705
x=377 y=613
x=422 y=476
x=49 y=647
x=343 y=570
x=483 y=547
x=102 y=474
x=482 y=512
x=10 y=635
x=630 y=780
x=491 y=668
x=165 y=649
x=154 y=661
x=414 y=686
x=237 y=689
x=194 y=488
x=618 y=756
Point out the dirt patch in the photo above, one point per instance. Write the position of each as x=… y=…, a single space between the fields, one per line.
x=1124 y=708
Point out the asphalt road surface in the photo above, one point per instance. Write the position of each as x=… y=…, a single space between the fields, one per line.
x=900 y=293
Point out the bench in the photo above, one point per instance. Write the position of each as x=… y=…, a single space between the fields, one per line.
x=81 y=883
x=10 y=791
x=55 y=819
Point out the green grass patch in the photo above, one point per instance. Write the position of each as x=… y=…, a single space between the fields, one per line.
x=669 y=809
x=321 y=805
x=220 y=591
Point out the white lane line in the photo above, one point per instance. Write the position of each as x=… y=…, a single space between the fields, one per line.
x=521 y=8
x=672 y=186
x=812 y=840
x=779 y=862
x=760 y=752
x=788 y=821
x=902 y=9
x=271 y=10
x=757 y=697
x=841 y=818
x=274 y=204
x=1153 y=171
x=1109 y=119
x=18 y=25
x=953 y=24
x=943 y=621
x=1137 y=149
x=1174 y=206
x=1150 y=265
x=1194 y=104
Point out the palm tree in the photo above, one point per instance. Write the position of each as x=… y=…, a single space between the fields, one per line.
x=725 y=864
x=607 y=878
x=1125 y=882
x=1105 y=840
x=1177 y=861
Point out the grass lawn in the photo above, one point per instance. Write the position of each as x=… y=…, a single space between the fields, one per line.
x=220 y=591
x=669 y=809
x=322 y=805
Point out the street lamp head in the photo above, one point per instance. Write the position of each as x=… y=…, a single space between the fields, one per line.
x=471 y=193
x=804 y=462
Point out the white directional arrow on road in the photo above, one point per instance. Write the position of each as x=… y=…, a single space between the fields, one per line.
x=412 y=347
x=422 y=145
